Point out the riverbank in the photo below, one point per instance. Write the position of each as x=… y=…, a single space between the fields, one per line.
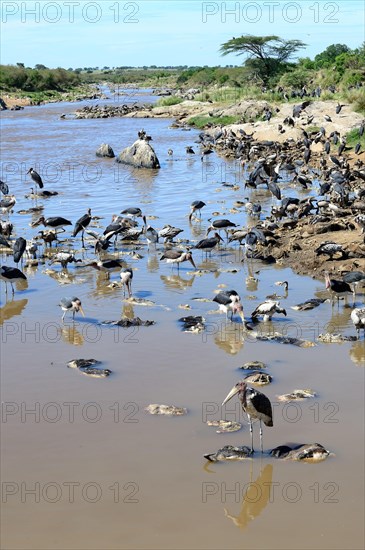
x=295 y=239
x=10 y=100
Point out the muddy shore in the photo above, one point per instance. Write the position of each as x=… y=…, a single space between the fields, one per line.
x=297 y=240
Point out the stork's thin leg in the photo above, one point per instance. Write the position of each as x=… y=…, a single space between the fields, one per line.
x=12 y=287
x=63 y=316
x=251 y=431
x=261 y=443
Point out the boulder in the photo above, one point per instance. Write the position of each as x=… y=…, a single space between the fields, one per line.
x=105 y=151
x=139 y=155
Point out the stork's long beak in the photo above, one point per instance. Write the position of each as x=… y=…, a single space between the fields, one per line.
x=284 y=311
x=82 y=311
x=231 y=394
x=192 y=261
x=36 y=223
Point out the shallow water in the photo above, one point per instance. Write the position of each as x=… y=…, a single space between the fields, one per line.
x=104 y=473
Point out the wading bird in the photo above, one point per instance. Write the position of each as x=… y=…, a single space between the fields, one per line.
x=229 y=300
x=106 y=266
x=55 y=222
x=196 y=206
x=267 y=309
x=208 y=244
x=64 y=258
x=126 y=276
x=19 y=248
x=81 y=225
x=217 y=225
x=11 y=275
x=71 y=304
x=336 y=288
x=354 y=278
x=4 y=188
x=177 y=257
x=133 y=212
x=358 y=318
x=36 y=177
x=7 y=203
x=255 y=404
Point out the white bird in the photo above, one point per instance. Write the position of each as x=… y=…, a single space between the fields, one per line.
x=31 y=249
x=358 y=318
x=267 y=309
x=229 y=300
x=126 y=276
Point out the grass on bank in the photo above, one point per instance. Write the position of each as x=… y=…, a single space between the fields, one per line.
x=353 y=138
x=203 y=121
x=168 y=101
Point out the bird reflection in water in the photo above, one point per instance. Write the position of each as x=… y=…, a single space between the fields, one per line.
x=252 y=280
x=197 y=231
x=12 y=308
x=211 y=265
x=229 y=337
x=251 y=284
x=357 y=353
x=153 y=264
x=128 y=311
x=70 y=335
x=255 y=499
x=63 y=277
x=176 y=282
x=340 y=319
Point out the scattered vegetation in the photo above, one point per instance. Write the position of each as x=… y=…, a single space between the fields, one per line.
x=268 y=68
x=17 y=77
x=201 y=121
x=169 y=100
x=353 y=138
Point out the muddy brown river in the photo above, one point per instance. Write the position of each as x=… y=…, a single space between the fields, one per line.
x=83 y=465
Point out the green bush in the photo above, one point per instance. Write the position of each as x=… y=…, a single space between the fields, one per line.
x=353 y=137
x=202 y=121
x=169 y=100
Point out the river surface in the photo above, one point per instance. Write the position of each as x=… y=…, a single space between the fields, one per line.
x=83 y=466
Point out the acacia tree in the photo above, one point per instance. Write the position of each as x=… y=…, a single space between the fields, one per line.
x=267 y=54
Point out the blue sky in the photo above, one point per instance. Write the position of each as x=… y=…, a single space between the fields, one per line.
x=112 y=33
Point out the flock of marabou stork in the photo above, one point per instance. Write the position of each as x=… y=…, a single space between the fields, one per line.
x=256 y=405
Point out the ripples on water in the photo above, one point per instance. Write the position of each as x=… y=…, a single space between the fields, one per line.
x=163 y=457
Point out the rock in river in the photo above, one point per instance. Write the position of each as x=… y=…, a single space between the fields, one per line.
x=139 y=155
x=105 y=151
